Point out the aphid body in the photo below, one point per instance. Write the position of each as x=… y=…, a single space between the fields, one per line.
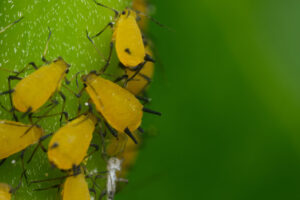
x=34 y=90
x=76 y=188
x=119 y=107
x=128 y=39
x=70 y=143
x=13 y=139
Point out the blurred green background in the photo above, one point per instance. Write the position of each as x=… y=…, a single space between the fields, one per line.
x=229 y=90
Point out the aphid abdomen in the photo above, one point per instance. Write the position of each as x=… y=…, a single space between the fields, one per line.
x=70 y=143
x=128 y=40
x=35 y=90
x=118 y=106
x=12 y=138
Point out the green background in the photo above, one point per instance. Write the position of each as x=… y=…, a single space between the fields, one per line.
x=229 y=93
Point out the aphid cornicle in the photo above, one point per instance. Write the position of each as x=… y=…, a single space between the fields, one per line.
x=75 y=188
x=128 y=39
x=12 y=138
x=119 y=107
x=69 y=145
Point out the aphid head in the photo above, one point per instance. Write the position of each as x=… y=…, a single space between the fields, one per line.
x=127 y=12
x=114 y=164
x=62 y=63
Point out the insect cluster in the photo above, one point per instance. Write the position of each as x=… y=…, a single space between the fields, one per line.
x=113 y=107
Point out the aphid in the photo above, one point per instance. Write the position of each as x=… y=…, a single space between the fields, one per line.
x=128 y=39
x=121 y=109
x=33 y=91
x=68 y=146
x=10 y=25
x=75 y=188
x=142 y=79
x=12 y=138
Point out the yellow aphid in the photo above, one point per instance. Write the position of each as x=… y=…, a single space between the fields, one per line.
x=119 y=107
x=142 y=79
x=35 y=90
x=13 y=139
x=69 y=145
x=141 y=5
x=128 y=39
x=76 y=188
x=5 y=191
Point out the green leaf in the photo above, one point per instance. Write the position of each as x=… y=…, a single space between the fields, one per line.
x=25 y=42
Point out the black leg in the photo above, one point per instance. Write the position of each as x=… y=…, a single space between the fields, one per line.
x=2 y=161
x=10 y=78
x=96 y=148
x=144 y=99
x=110 y=24
x=109 y=57
x=125 y=76
x=103 y=193
x=63 y=106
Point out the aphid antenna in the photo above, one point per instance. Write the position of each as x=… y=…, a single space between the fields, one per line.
x=46 y=47
x=92 y=41
x=8 y=26
x=154 y=20
x=39 y=145
x=49 y=179
x=102 y=5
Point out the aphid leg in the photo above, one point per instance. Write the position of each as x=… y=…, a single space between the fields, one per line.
x=48 y=188
x=32 y=64
x=102 y=135
x=23 y=165
x=39 y=145
x=151 y=111
x=63 y=106
x=96 y=148
x=103 y=193
x=93 y=191
x=112 y=131
x=13 y=190
x=8 y=26
x=28 y=111
x=137 y=70
x=104 y=6
x=111 y=45
x=91 y=40
x=54 y=104
x=2 y=161
x=10 y=78
x=46 y=47
x=125 y=76
x=128 y=132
